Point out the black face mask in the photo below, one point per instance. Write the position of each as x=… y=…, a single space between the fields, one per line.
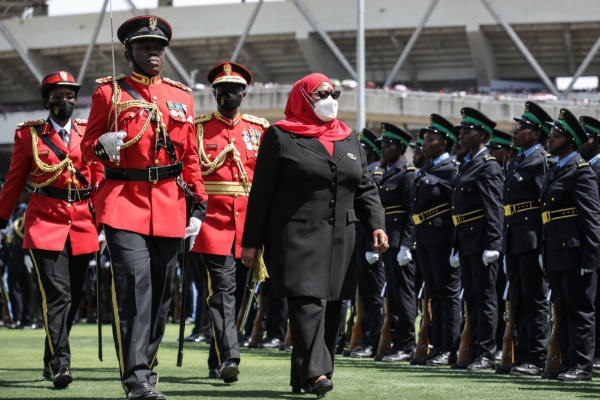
x=229 y=100
x=62 y=109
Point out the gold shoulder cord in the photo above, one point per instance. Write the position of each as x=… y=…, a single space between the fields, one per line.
x=57 y=169
x=125 y=105
x=220 y=159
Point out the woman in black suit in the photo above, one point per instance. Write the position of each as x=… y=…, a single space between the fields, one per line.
x=310 y=186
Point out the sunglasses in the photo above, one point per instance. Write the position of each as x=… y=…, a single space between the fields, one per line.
x=323 y=94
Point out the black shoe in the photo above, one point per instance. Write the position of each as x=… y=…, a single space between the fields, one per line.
x=194 y=338
x=142 y=390
x=423 y=360
x=575 y=375
x=362 y=352
x=482 y=364
x=213 y=373
x=270 y=344
x=229 y=371
x=596 y=364
x=398 y=356
x=319 y=388
x=505 y=369
x=47 y=374
x=553 y=375
x=159 y=395
x=443 y=359
x=62 y=378
x=526 y=370
x=296 y=389
x=463 y=364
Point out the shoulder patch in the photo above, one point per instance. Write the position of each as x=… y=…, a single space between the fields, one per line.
x=203 y=118
x=109 y=79
x=582 y=164
x=37 y=122
x=411 y=169
x=256 y=120
x=490 y=158
x=176 y=84
x=81 y=121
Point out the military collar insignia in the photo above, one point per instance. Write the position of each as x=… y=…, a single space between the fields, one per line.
x=360 y=135
x=145 y=80
x=227 y=121
x=152 y=23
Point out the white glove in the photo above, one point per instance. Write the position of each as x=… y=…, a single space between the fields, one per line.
x=29 y=264
x=193 y=228
x=404 y=256
x=489 y=256
x=504 y=266
x=112 y=142
x=192 y=241
x=586 y=271
x=371 y=257
x=541 y=262
x=454 y=260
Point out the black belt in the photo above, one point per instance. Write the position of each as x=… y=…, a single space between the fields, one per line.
x=151 y=174
x=419 y=218
x=512 y=209
x=467 y=217
x=549 y=216
x=68 y=195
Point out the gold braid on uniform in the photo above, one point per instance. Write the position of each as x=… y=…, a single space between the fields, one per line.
x=57 y=169
x=220 y=158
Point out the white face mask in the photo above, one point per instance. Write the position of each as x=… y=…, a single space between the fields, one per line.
x=326 y=109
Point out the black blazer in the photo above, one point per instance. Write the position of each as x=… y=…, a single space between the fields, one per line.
x=303 y=206
x=432 y=188
x=478 y=186
x=394 y=191
x=523 y=183
x=596 y=168
x=363 y=236
x=572 y=243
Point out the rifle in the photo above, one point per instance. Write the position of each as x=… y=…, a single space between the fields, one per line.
x=385 y=334
x=257 y=328
x=357 y=333
x=508 y=344
x=288 y=337
x=423 y=336
x=6 y=319
x=349 y=324
x=245 y=300
x=553 y=358
x=99 y=305
x=177 y=298
x=465 y=336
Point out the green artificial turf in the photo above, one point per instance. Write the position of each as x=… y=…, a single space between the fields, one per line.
x=264 y=375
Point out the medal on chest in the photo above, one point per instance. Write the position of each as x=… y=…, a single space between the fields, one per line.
x=177 y=110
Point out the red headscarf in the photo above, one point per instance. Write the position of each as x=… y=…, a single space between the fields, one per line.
x=301 y=118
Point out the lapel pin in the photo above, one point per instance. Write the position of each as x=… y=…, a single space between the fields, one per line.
x=351 y=156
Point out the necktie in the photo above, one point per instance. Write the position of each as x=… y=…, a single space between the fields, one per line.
x=519 y=159
x=64 y=136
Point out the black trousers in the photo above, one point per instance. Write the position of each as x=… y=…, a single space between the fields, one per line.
x=223 y=308
x=276 y=312
x=314 y=326
x=199 y=278
x=574 y=297
x=21 y=291
x=60 y=279
x=479 y=282
x=500 y=289
x=528 y=291
x=443 y=284
x=142 y=270
x=371 y=278
x=402 y=298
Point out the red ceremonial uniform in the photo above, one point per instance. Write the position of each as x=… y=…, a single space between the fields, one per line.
x=148 y=208
x=49 y=221
x=225 y=183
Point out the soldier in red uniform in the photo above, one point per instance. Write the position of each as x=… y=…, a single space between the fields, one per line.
x=228 y=145
x=59 y=230
x=150 y=156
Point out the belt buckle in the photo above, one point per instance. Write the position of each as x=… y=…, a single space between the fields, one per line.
x=417 y=220
x=546 y=217
x=508 y=210
x=456 y=220
x=150 y=174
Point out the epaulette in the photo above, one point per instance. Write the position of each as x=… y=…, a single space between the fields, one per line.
x=490 y=158
x=32 y=123
x=581 y=163
x=549 y=155
x=80 y=121
x=108 y=79
x=176 y=84
x=256 y=120
x=411 y=169
x=203 y=118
